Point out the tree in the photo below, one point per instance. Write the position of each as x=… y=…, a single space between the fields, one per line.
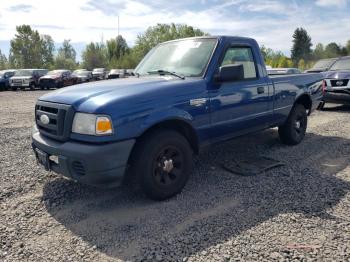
x=348 y=47
x=31 y=50
x=301 y=46
x=273 y=58
x=319 y=52
x=161 y=33
x=332 y=50
x=47 y=49
x=94 y=56
x=302 y=64
x=284 y=62
x=67 y=50
x=66 y=56
x=3 y=61
x=117 y=48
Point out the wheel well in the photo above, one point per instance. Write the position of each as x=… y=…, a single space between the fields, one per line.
x=180 y=126
x=304 y=100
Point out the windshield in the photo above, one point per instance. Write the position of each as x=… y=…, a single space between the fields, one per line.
x=325 y=63
x=81 y=73
x=24 y=73
x=184 y=57
x=54 y=72
x=98 y=70
x=343 y=64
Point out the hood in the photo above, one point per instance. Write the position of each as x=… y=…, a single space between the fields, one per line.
x=337 y=74
x=50 y=77
x=21 y=77
x=90 y=96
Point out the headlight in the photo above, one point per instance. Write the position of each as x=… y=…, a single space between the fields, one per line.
x=90 y=124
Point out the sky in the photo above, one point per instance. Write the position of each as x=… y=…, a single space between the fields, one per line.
x=270 y=22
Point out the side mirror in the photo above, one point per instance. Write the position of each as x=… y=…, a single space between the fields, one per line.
x=230 y=73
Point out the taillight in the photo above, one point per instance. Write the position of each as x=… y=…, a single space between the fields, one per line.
x=324 y=86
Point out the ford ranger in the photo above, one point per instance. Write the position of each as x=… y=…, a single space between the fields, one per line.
x=186 y=94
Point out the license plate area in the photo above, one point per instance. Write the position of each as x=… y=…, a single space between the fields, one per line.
x=42 y=158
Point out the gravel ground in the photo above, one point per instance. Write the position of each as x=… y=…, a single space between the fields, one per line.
x=297 y=212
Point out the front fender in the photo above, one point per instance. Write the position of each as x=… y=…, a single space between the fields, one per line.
x=161 y=116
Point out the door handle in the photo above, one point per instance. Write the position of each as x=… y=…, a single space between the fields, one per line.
x=261 y=89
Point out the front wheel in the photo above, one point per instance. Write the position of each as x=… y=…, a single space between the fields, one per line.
x=293 y=130
x=162 y=162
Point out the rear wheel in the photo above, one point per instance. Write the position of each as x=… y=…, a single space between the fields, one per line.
x=162 y=163
x=293 y=130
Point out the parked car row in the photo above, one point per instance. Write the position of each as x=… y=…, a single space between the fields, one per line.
x=336 y=83
x=44 y=79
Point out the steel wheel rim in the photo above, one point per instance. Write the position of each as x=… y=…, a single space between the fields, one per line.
x=168 y=166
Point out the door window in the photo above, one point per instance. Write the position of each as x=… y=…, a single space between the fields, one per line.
x=241 y=56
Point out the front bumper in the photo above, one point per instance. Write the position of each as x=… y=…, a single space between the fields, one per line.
x=94 y=164
x=14 y=84
x=48 y=84
x=337 y=97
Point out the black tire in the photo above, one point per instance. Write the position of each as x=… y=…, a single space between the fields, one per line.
x=161 y=150
x=14 y=88
x=32 y=86
x=293 y=130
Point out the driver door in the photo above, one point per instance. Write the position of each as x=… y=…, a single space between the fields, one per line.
x=240 y=106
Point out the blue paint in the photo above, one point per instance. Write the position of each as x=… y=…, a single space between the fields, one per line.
x=227 y=109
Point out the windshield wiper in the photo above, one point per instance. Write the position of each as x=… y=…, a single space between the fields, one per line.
x=165 y=72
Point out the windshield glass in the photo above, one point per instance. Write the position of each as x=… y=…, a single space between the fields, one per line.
x=326 y=63
x=81 y=73
x=24 y=73
x=98 y=70
x=343 y=64
x=184 y=57
x=54 y=72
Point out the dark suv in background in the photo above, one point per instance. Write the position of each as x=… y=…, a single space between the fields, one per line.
x=57 y=79
x=5 y=76
x=26 y=78
x=336 y=85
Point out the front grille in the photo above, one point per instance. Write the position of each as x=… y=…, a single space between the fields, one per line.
x=60 y=117
x=78 y=168
x=46 y=80
x=339 y=82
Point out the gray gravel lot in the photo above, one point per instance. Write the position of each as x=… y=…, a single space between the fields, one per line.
x=297 y=212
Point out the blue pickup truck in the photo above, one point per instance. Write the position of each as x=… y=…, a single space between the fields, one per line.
x=186 y=94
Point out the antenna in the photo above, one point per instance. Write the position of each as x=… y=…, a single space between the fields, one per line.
x=118 y=26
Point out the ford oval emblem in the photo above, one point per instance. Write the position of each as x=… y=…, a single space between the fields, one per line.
x=339 y=83
x=44 y=119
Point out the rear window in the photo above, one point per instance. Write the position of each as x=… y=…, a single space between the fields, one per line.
x=24 y=73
